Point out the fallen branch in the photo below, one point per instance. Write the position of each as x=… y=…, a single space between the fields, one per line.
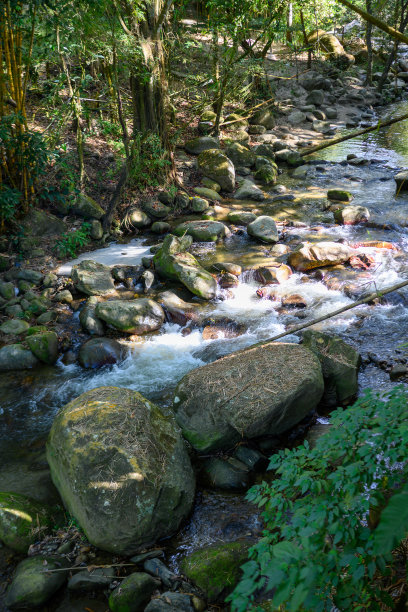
x=364 y=300
x=395 y=34
x=333 y=141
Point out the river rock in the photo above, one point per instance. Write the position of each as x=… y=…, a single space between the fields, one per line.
x=224 y=266
x=133 y=593
x=264 y=117
x=156 y=209
x=265 y=150
x=352 y=215
x=86 y=580
x=200 y=144
x=180 y=312
x=339 y=195
x=93 y=278
x=218 y=167
x=171 y=261
x=114 y=454
x=240 y=155
x=86 y=207
x=402 y=180
x=161 y=227
x=318 y=255
x=340 y=363
x=131 y=316
x=316 y=96
x=88 y=319
x=38 y=222
x=7 y=290
x=44 y=346
x=208 y=193
x=199 y=205
x=241 y=217
x=228 y=474
x=216 y=569
x=203 y=231
x=332 y=48
x=14 y=326
x=98 y=352
x=33 y=584
x=137 y=218
x=16 y=357
x=22 y=521
x=296 y=117
x=263 y=229
x=275 y=273
x=267 y=174
x=249 y=191
x=215 y=404
x=96 y=230
x=170 y=602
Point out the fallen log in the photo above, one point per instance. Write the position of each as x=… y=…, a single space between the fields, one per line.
x=338 y=139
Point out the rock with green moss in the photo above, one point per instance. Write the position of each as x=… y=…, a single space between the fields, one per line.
x=93 y=278
x=202 y=143
x=247 y=190
x=265 y=150
x=203 y=231
x=137 y=218
x=121 y=467
x=36 y=329
x=133 y=593
x=339 y=195
x=241 y=218
x=7 y=290
x=23 y=521
x=215 y=570
x=16 y=357
x=5 y=262
x=37 y=222
x=340 y=363
x=34 y=582
x=173 y=262
x=210 y=194
x=44 y=346
x=264 y=117
x=267 y=174
x=14 y=326
x=157 y=210
x=209 y=184
x=37 y=306
x=131 y=316
x=218 y=167
x=160 y=227
x=208 y=115
x=263 y=390
x=240 y=155
x=199 y=205
x=87 y=208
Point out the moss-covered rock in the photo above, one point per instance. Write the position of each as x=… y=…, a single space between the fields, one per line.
x=267 y=174
x=340 y=363
x=133 y=593
x=121 y=468
x=262 y=390
x=171 y=261
x=93 y=278
x=264 y=117
x=87 y=208
x=203 y=231
x=199 y=205
x=240 y=155
x=7 y=290
x=137 y=218
x=14 y=326
x=157 y=210
x=202 y=143
x=37 y=222
x=208 y=193
x=131 y=316
x=16 y=357
x=339 y=195
x=44 y=346
x=241 y=218
x=216 y=569
x=23 y=520
x=34 y=582
x=218 y=167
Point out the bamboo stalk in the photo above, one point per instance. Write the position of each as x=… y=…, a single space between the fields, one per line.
x=364 y=300
x=338 y=139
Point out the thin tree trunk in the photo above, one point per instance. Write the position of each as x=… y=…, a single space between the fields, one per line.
x=369 y=28
x=381 y=25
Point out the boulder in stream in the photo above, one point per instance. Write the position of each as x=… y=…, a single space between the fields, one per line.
x=218 y=167
x=16 y=357
x=266 y=389
x=98 y=352
x=402 y=180
x=203 y=231
x=318 y=255
x=263 y=229
x=121 y=467
x=131 y=316
x=44 y=346
x=93 y=278
x=351 y=215
x=88 y=319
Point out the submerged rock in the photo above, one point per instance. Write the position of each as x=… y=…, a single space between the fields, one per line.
x=33 y=583
x=340 y=363
x=93 y=278
x=218 y=167
x=262 y=390
x=121 y=468
x=310 y=256
x=216 y=569
x=131 y=316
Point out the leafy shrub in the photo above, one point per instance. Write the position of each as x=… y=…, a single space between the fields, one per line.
x=327 y=534
x=69 y=243
x=149 y=162
x=9 y=200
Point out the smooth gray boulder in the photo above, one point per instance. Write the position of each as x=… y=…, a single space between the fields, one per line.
x=131 y=316
x=16 y=357
x=93 y=278
x=263 y=229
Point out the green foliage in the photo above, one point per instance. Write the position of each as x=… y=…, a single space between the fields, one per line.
x=321 y=548
x=69 y=243
x=9 y=201
x=149 y=162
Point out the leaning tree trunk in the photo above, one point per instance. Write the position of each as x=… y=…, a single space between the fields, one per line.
x=369 y=29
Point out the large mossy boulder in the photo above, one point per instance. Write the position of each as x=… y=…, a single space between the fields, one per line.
x=44 y=346
x=263 y=390
x=218 y=167
x=215 y=570
x=16 y=357
x=133 y=593
x=340 y=363
x=35 y=582
x=23 y=520
x=331 y=47
x=93 y=278
x=131 y=316
x=240 y=155
x=37 y=222
x=173 y=262
x=310 y=256
x=121 y=467
x=200 y=144
x=203 y=231
x=87 y=208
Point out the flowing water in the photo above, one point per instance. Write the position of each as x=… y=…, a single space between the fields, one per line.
x=30 y=401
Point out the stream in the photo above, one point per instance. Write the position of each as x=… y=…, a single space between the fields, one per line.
x=155 y=364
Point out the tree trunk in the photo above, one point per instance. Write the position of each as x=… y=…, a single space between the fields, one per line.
x=369 y=28
x=381 y=25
